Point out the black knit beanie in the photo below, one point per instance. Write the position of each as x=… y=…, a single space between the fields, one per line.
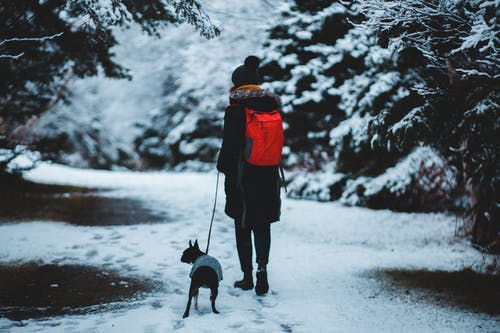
x=248 y=73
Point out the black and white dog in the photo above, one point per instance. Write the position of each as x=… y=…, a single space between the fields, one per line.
x=206 y=273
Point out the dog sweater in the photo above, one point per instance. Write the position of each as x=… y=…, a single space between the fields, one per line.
x=206 y=260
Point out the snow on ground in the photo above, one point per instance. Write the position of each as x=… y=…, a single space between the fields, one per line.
x=319 y=256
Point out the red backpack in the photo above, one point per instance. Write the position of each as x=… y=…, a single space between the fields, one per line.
x=264 y=137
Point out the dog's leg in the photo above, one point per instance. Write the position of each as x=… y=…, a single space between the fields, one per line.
x=214 y=291
x=191 y=294
x=196 y=299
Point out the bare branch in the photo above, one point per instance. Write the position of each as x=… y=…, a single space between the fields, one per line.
x=9 y=56
x=31 y=39
x=23 y=128
x=24 y=39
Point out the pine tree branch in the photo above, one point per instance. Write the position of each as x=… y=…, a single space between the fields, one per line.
x=23 y=128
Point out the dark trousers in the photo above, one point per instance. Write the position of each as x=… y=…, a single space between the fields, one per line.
x=262 y=242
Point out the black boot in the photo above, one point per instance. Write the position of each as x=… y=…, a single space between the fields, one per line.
x=246 y=283
x=262 y=286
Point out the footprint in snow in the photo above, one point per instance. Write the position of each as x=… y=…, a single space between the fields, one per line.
x=178 y=291
x=234 y=292
x=236 y=325
x=130 y=268
x=223 y=229
x=108 y=257
x=91 y=253
x=152 y=328
x=116 y=236
x=157 y=304
x=128 y=249
x=268 y=301
x=178 y=324
x=287 y=328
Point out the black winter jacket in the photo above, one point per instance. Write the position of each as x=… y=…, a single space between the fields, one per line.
x=252 y=192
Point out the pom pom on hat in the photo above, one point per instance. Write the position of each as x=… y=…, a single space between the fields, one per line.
x=252 y=62
x=247 y=73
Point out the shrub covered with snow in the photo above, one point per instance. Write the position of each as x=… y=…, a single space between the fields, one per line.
x=457 y=44
x=185 y=129
x=336 y=78
x=420 y=181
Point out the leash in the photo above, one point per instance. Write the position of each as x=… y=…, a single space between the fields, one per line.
x=213 y=212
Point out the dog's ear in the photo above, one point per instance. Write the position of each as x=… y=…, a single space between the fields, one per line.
x=190 y=245
x=196 y=244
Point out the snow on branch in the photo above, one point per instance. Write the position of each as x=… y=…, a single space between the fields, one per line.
x=447 y=33
x=24 y=39
x=474 y=72
x=192 y=13
x=11 y=56
x=30 y=39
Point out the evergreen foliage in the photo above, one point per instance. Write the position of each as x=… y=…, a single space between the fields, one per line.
x=43 y=44
x=457 y=43
x=182 y=135
x=335 y=80
x=184 y=130
x=388 y=104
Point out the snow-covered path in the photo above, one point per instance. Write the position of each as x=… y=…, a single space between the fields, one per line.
x=320 y=256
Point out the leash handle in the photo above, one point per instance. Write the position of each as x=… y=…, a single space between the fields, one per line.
x=213 y=212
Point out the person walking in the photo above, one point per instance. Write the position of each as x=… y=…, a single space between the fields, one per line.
x=252 y=182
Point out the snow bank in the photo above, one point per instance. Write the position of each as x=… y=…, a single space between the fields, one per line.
x=422 y=179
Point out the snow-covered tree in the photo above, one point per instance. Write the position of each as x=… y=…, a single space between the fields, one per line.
x=455 y=44
x=184 y=130
x=43 y=44
x=335 y=79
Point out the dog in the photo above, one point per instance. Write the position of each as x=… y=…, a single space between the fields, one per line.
x=206 y=273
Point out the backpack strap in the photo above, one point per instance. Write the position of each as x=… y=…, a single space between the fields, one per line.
x=282 y=178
